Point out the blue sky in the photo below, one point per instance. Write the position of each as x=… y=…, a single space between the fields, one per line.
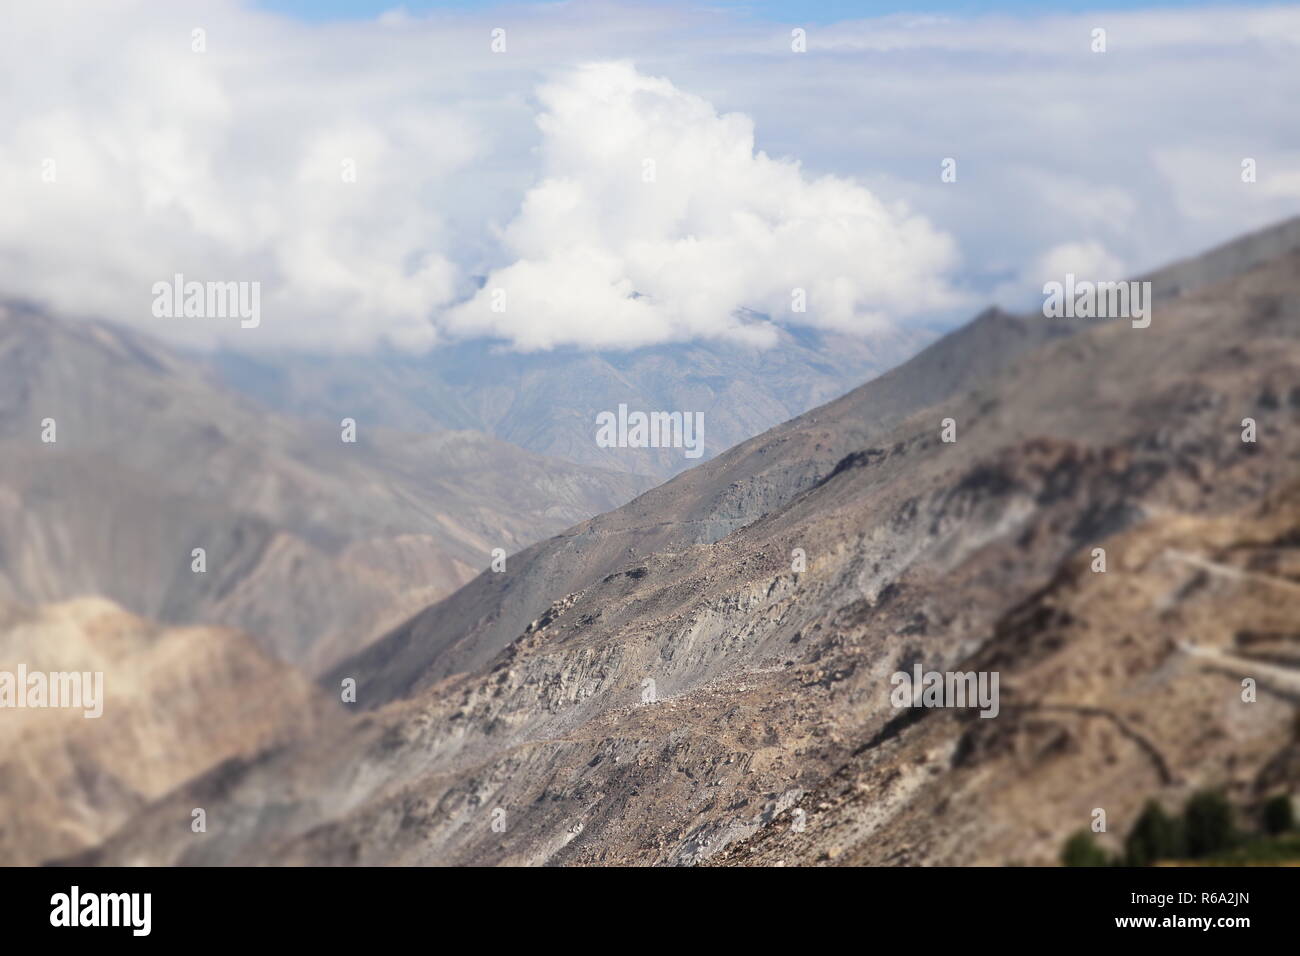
x=792 y=11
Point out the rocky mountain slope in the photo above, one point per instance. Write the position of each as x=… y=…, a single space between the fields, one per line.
x=1116 y=688
x=312 y=544
x=748 y=481
x=174 y=702
x=669 y=683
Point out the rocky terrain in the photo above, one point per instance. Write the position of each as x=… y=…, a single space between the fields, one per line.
x=678 y=681
x=175 y=702
x=313 y=545
x=747 y=482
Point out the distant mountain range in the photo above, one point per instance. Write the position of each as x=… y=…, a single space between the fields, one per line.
x=313 y=545
x=669 y=682
x=548 y=402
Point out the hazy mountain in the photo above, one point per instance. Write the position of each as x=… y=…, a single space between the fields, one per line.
x=175 y=702
x=663 y=684
x=548 y=402
x=745 y=483
x=313 y=545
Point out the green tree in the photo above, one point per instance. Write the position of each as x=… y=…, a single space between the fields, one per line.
x=1279 y=816
x=1081 y=850
x=1207 y=823
x=1155 y=836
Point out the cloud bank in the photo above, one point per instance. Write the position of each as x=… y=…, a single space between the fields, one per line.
x=624 y=174
x=656 y=220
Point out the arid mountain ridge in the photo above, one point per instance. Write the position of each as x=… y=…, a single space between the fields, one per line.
x=661 y=685
x=745 y=483
x=313 y=545
x=175 y=702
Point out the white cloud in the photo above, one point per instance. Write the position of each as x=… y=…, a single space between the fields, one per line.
x=1085 y=259
x=1211 y=186
x=1088 y=260
x=774 y=170
x=656 y=220
x=223 y=165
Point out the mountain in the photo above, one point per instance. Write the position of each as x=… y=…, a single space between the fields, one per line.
x=174 y=702
x=1116 y=688
x=751 y=480
x=313 y=545
x=548 y=402
x=668 y=683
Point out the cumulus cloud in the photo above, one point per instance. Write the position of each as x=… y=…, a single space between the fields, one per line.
x=656 y=219
x=126 y=157
x=138 y=157
x=1086 y=260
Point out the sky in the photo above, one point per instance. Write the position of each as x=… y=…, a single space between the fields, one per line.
x=609 y=175
x=778 y=11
